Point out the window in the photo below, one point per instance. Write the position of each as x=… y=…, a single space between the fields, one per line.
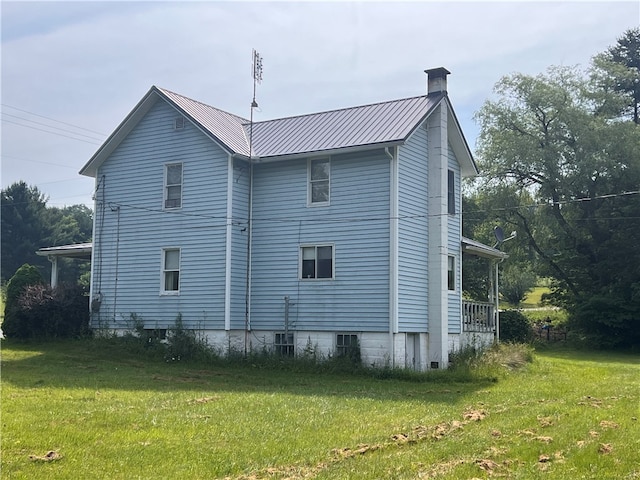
x=319 y=181
x=346 y=344
x=451 y=192
x=170 y=271
x=284 y=344
x=173 y=185
x=316 y=262
x=451 y=273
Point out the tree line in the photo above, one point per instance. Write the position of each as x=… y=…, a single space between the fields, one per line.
x=559 y=156
x=28 y=224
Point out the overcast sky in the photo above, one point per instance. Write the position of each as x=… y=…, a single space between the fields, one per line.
x=71 y=71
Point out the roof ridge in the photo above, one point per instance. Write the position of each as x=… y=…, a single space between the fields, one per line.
x=166 y=90
x=340 y=109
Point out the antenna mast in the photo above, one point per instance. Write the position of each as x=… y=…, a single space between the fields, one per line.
x=257 y=78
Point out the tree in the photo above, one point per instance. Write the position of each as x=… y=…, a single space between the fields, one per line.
x=28 y=224
x=23 y=227
x=618 y=70
x=550 y=138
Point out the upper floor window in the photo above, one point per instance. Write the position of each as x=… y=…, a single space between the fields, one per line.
x=173 y=185
x=451 y=272
x=451 y=192
x=170 y=271
x=319 y=181
x=316 y=262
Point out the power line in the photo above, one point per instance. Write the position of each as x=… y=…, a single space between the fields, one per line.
x=53 y=119
x=91 y=137
x=52 y=133
x=38 y=161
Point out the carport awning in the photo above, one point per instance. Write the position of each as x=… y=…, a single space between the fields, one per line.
x=80 y=251
x=481 y=250
x=77 y=250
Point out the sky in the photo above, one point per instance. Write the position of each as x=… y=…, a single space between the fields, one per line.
x=72 y=71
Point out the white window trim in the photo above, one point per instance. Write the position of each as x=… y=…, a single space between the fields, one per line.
x=165 y=186
x=310 y=203
x=163 y=251
x=333 y=261
x=455 y=274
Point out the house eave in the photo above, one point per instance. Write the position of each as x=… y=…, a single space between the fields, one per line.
x=326 y=153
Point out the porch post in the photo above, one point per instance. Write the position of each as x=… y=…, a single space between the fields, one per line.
x=54 y=270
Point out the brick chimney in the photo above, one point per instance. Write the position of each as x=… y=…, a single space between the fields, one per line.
x=437 y=80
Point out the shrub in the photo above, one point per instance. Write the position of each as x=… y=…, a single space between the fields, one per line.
x=24 y=277
x=46 y=312
x=515 y=327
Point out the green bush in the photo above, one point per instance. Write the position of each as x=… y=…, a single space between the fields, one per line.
x=60 y=312
x=515 y=327
x=24 y=277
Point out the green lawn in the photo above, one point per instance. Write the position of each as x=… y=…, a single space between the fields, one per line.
x=105 y=413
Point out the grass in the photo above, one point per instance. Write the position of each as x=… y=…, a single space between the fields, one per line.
x=89 y=409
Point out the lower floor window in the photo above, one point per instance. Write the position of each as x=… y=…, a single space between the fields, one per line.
x=317 y=262
x=347 y=344
x=284 y=345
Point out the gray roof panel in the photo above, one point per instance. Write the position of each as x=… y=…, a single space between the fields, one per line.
x=372 y=124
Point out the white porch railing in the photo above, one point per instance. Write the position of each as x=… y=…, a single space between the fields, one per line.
x=478 y=316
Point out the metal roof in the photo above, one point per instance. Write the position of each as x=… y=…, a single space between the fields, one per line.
x=76 y=250
x=376 y=124
x=478 y=249
x=225 y=127
x=368 y=126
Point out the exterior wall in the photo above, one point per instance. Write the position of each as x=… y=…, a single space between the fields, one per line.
x=413 y=234
x=240 y=215
x=132 y=228
x=454 y=247
x=355 y=223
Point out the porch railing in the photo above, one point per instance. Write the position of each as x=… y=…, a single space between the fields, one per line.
x=478 y=316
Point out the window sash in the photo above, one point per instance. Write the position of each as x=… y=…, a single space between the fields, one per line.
x=316 y=262
x=319 y=181
x=173 y=186
x=451 y=192
x=451 y=273
x=171 y=270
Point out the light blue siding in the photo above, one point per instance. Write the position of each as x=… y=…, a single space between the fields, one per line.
x=413 y=234
x=240 y=215
x=455 y=248
x=135 y=228
x=356 y=223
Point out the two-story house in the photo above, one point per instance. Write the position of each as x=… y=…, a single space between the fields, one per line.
x=330 y=229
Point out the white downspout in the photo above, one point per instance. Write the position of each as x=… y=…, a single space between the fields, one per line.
x=393 y=254
x=54 y=270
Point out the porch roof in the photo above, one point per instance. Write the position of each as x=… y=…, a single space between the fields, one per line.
x=478 y=249
x=77 y=250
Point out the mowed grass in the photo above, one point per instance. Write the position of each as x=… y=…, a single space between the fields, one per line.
x=87 y=409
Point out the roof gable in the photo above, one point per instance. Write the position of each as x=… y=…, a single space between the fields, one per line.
x=368 y=126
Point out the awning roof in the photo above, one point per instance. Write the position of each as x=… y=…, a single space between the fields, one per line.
x=481 y=250
x=77 y=250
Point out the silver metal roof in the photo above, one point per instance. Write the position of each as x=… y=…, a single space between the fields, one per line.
x=225 y=127
x=380 y=123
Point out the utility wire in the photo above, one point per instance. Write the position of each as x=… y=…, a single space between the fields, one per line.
x=96 y=142
x=91 y=137
x=53 y=119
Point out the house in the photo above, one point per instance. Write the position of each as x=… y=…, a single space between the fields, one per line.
x=329 y=230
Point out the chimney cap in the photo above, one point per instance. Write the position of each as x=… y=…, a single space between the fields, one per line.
x=437 y=72
x=437 y=80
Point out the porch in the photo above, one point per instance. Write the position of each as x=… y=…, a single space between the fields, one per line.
x=478 y=317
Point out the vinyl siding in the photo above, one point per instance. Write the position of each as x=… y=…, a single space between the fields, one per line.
x=241 y=180
x=355 y=223
x=454 y=229
x=135 y=228
x=413 y=234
